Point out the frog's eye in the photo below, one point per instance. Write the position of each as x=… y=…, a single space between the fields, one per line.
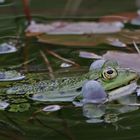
x=109 y=73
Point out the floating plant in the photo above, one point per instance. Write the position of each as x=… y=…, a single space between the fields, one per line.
x=75 y=28
x=3 y=105
x=118 y=39
x=10 y=75
x=51 y=108
x=7 y=48
x=4 y=3
x=124 y=59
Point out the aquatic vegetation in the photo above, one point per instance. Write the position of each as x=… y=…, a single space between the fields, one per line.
x=19 y=107
x=105 y=82
x=67 y=28
x=51 y=108
x=119 y=39
x=7 y=48
x=3 y=105
x=10 y=75
x=124 y=59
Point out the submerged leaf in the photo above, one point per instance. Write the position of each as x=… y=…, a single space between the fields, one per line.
x=19 y=107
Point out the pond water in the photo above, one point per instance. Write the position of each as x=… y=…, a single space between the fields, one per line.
x=30 y=122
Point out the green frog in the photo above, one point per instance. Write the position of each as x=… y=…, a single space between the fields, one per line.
x=108 y=74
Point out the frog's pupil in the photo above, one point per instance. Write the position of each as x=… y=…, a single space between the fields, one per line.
x=109 y=71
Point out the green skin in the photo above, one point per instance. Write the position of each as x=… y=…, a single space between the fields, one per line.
x=123 y=78
x=60 y=85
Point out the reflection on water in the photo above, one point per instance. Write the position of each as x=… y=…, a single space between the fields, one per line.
x=68 y=123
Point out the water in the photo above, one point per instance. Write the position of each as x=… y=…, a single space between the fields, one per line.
x=69 y=123
x=66 y=124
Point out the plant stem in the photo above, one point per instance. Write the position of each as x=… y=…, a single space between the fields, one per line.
x=27 y=10
x=48 y=64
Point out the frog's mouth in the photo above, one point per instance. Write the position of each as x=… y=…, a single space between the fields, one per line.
x=122 y=91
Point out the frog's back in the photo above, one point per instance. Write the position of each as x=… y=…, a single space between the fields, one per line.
x=60 y=84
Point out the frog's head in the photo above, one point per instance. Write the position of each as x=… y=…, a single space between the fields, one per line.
x=111 y=76
x=105 y=77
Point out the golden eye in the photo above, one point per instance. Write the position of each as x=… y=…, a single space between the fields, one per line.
x=109 y=73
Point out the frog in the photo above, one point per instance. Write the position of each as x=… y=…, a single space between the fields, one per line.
x=112 y=82
x=66 y=89
x=115 y=86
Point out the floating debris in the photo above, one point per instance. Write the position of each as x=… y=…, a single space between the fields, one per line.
x=10 y=75
x=3 y=105
x=85 y=54
x=125 y=60
x=65 y=65
x=51 y=108
x=7 y=48
x=43 y=28
x=76 y=28
x=88 y=28
x=115 y=42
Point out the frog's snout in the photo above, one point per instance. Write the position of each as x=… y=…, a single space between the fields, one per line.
x=93 y=92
